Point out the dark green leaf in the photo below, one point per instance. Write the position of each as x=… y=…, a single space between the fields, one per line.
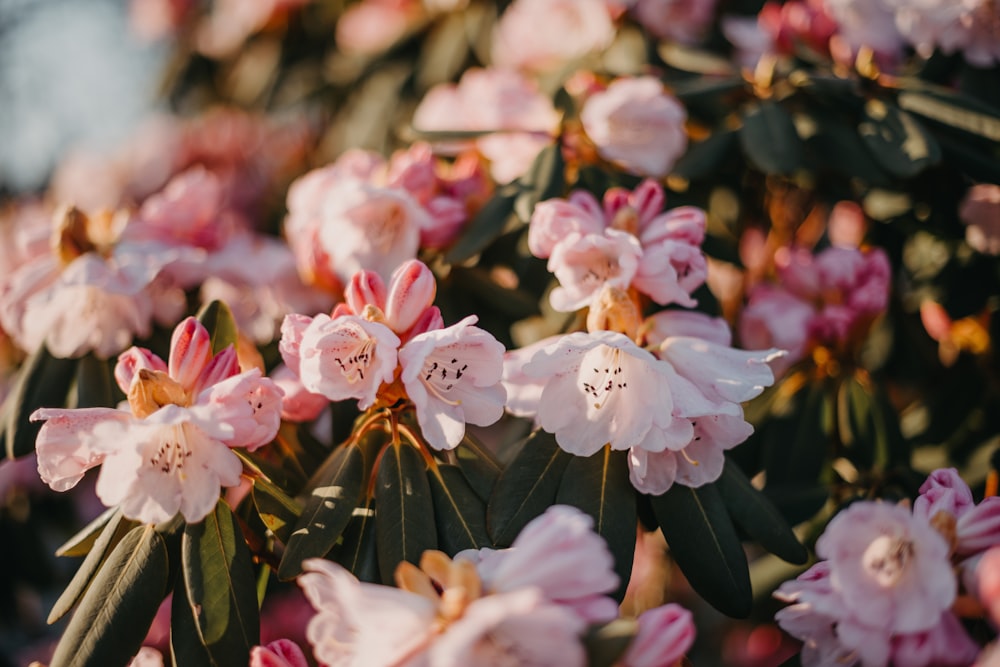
x=44 y=381
x=356 y=550
x=770 y=140
x=219 y=320
x=526 y=487
x=758 y=516
x=221 y=587
x=404 y=526
x=705 y=546
x=327 y=510
x=955 y=111
x=486 y=226
x=94 y=387
x=797 y=438
x=186 y=649
x=546 y=179
x=277 y=510
x=797 y=502
x=599 y=485
x=118 y=608
x=705 y=158
x=606 y=644
x=81 y=543
x=480 y=467
x=112 y=531
x=444 y=51
x=460 y=514
x=897 y=140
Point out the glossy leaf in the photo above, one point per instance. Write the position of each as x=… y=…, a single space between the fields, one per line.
x=114 y=528
x=221 y=587
x=94 y=387
x=356 y=550
x=526 y=487
x=44 y=381
x=404 y=526
x=459 y=513
x=486 y=226
x=81 y=543
x=897 y=140
x=186 y=647
x=277 y=510
x=219 y=320
x=770 y=140
x=606 y=644
x=704 y=543
x=599 y=485
x=755 y=514
x=478 y=465
x=954 y=111
x=705 y=158
x=115 y=614
x=327 y=511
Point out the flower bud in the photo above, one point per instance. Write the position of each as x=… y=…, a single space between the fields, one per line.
x=129 y=363
x=429 y=320
x=365 y=288
x=614 y=310
x=223 y=365
x=190 y=350
x=151 y=390
x=279 y=653
x=664 y=636
x=411 y=292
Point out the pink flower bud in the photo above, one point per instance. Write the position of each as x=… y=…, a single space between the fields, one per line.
x=366 y=288
x=279 y=653
x=129 y=363
x=429 y=320
x=223 y=365
x=988 y=578
x=411 y=292
x=190 y=350
x=299 y=404
x=979 y=528
x=292 y=328
x=665 y=634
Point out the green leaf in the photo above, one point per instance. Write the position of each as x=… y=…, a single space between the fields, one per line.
x=546 y=179
x=118 y=608
x=404 y=527
x=491 y=221
x=277 y=510
x=606 y=644
x=460 y=514
x=797 y=440
x=328 y=509
x=480 y=467
x=770 y=140
x=954 y=111
x=706 y=158
x=219 y=320
x=221 y=587
x=44 y=381
x=81 y=543
x=897 y=140
x=599 y=485
x=356 y=550
x=758 y=516
x=694 y=60
x=526 y=487
x=105 y=539
x=186 y=649
x=705 y=546
x=94 y=387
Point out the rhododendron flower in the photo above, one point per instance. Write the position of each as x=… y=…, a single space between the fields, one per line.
x=147 y=657
x=969 y=27
x=637 y=125
x=521 y=119
x=279 y=653
x=882 y=593
x=977 y=526
x=980 y=212
x=340 y=358
x=682 y=20
x=626 y=241
x=452 y=375
x=172 y=452
x=543 y=35
x=665 y=634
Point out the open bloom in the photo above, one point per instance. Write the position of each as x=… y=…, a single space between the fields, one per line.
x=541 y=35
x=172 y=450
x=976 y=526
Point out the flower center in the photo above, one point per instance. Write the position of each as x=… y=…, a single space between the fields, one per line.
x=386 y=228
x=353 y=366
x=77 y=234
x=173 y=452
x=886 y=559
x=601 y=381
x=441 y=376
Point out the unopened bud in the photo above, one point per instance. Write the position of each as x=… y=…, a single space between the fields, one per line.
x=411 y=292
x=129 y=363
x=365 y=288
x=190 y=350
x=151 y=390
x=614 y=310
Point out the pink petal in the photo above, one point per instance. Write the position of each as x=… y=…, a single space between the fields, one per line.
x=190 y=350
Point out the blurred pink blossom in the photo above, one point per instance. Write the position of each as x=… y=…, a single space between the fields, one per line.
x=683 y=20
x=665 y=635
x=980 y=212
x=969 y=27
x=637 y=125
x=372 y=26
x=278 y=653
x=540 y=35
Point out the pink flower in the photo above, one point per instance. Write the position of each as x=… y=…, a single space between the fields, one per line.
x=542 y=35
x=147 y=657
x=865 y=23
x=965 y=26
x=406 y=306
x=173 y=451
x=521 y=119
x=452 y=376
x=980 y=211
x=977 y=526
x=636 y=125
x=665 y=634
x=298 y=404
x=372 y=26
x=682 y=20
x=340 y=358
x=279 y=653
x=584 y=264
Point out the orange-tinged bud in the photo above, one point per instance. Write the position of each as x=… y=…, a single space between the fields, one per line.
x=151 y=390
